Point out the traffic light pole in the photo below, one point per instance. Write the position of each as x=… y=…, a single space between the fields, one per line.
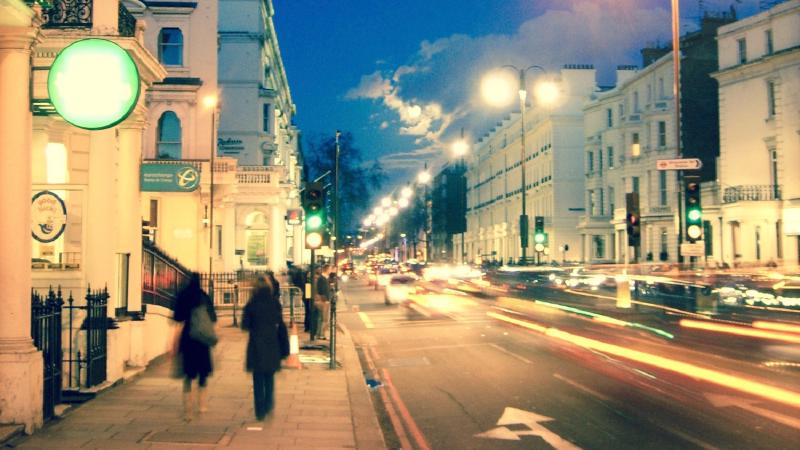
x=332 y=349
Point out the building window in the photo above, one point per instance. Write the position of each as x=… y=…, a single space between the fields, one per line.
x=170 y=47
x=219 y=239
x=636 y=101
x=266 y=116
x=599 y=247
x=599 y=160
x=773 y=166
x=662 y=187
x=590 y=161
x=590 y=195
x=742 y=46
x=635 y=147
x=768 y=39
x=600 y=201
x=609 y=118
x=635 y=184
x=621 y=108
x=168 y=145
x=664 y=243
x=770 y=99
x=661 y=93
x=611 y=204
x=662 y=133
x=610 y=151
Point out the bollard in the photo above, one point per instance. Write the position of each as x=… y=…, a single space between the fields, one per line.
x=293 y=360
x=623 y=292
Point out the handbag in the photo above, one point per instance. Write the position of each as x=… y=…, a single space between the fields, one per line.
x=283 y=340
x=201 y=328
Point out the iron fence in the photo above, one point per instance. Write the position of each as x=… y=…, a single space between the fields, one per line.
x=46 y=334
x=162 y=277
x=93 y=334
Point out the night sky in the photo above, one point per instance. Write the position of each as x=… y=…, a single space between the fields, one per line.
x=403 y=76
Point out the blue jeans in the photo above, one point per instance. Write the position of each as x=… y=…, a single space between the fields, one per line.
x=263 y=388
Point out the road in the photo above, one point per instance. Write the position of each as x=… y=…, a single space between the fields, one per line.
x=458 y=372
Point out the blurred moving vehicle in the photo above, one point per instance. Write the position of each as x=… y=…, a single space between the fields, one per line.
x=398 y=287
x=384 y=274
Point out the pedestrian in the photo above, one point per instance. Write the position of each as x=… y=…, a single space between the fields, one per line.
x=322 y=300
x=267 y=343
x=276 y=286
x=195 y=313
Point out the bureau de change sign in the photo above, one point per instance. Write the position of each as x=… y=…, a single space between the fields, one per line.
x=169 y=178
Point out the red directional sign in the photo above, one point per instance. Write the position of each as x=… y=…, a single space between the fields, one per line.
x=679 y=164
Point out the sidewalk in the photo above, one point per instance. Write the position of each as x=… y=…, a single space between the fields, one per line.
x=315 y=408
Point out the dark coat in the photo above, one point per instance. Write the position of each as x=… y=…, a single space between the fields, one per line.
x=262 y=317
x=196 y=356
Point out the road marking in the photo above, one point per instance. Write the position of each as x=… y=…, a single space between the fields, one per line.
x=514 y=416
x=409 y=421
x=581 y=387
x=722 y=401
x=393 y=417
x=365 y=318
x=510 y=353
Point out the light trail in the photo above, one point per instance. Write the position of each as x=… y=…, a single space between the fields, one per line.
x=776 y=326
x=723 y=379
x=740 y=330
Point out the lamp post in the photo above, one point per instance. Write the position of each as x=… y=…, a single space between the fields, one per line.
x=210 y=102
x=424 y=178
x=460 y=149
x=332 y=347
x=547 y=93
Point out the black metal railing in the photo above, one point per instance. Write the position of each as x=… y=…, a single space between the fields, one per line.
x=126 y=23
x=68 y=14
x=92 y=337
x=162 y=276
x=750 y=193
x=46 y=334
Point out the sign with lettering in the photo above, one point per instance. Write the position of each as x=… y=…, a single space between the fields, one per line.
x=48 y=216
x=169 y=178
x=230 y=145
x=679 y=164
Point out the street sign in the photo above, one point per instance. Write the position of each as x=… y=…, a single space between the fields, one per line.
x=157 y=177
x=696 y=249
x=679 y=164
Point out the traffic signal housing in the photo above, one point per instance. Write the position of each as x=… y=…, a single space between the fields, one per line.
x=693 y=209
x=315 y=216
x=539 y=236
x=633 y=219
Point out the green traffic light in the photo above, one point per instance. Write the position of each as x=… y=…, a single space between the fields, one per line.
x=313 y=222
x=694 y=215
x=538 y=238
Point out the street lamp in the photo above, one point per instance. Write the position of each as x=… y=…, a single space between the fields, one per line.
x=424 y=177
x=459 y=149
x=497 y=91
x=210 y=102
x=406 y=192
x=386 y=202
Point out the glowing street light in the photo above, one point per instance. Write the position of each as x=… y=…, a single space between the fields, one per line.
x=424 y=177
x=403 y=202
x=460 y=148
x=406 y=192
x=393 y=211
x=386 y=202
x=377 y=211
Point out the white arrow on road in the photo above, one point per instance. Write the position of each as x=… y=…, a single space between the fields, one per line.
x=722 y=401
x=514 y=416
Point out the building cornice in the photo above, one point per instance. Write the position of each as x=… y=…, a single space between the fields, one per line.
x=759 y=67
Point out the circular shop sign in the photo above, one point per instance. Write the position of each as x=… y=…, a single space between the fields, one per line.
x=48 y=216
x=93 y=84
x=187 y=178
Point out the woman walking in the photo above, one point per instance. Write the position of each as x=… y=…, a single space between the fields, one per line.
x=266 y=345
x=194 y=355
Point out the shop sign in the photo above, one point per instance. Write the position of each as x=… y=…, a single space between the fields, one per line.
x=48 y=216
x=93 y=84
x=169 y=178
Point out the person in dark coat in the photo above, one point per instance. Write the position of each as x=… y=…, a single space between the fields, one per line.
x=195 y=356
x=262 y=318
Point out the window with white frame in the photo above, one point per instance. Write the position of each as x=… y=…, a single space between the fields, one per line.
x=610 y=158
x=770 y=99
x=168 y=144
x=636 y=149
x=741 y=45
x=768 y=40
x=170 y=46
x=267 y=118
x=662 y=187
x=662 y=133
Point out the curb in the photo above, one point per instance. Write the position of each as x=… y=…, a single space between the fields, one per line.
x=366 y=427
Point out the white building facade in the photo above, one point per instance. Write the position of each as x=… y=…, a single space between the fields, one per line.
x=553 y=172
x=627 y=129
x=759 y=101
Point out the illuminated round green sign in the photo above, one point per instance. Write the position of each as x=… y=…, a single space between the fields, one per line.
x=93 y=84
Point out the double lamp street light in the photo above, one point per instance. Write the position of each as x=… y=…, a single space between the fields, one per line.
x=498 y=91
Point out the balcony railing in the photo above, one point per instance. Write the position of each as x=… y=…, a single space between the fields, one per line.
x=752 y=193
x=79 y=14
x=68 y=14
x=660 y=210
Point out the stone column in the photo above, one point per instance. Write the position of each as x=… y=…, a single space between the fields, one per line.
x=129 y=235
x=21 y=373
x=277 y=238
x=229 y=237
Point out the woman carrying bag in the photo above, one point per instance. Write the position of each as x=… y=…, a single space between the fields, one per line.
x=267 y=344
x=193 y=341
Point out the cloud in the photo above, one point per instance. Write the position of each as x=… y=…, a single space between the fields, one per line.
x=433 y=93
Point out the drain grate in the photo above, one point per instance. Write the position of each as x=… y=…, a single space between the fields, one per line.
x=185 y=437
